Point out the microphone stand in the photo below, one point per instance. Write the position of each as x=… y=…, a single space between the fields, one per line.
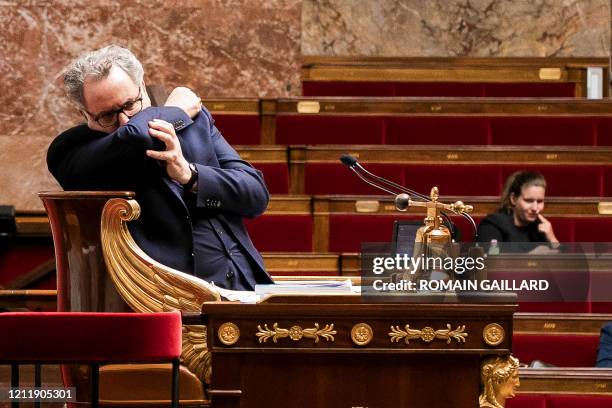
x=402 y=194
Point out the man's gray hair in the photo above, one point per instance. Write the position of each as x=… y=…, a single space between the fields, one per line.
x=97 y=64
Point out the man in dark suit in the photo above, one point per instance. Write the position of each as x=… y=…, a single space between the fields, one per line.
x=192 y=186
x=604 y=351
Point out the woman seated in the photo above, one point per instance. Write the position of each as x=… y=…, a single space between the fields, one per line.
x=519 y=218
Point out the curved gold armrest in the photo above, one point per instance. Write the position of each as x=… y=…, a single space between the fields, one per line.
x=149 y=286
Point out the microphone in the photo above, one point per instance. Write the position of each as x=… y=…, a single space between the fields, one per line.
x=348 y=160
x=352 y=163
x=401 y=193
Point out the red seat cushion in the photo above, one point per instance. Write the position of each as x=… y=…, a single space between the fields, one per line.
x=548 y=131
x=575 y=401
x=553 y=349
x=319 y=129
x=338 y=88
x=554 y=307
x=279 y=233
x=592 y=229
x=604 y=131
x=239 y=129
x=331 y=178
x=607 y=181
x=90 y=337
x=526 y=401
x=20 y=257
x=529 y=90
x=563 y=227
x=461 y=89
x=455 y=179
x=276 y=176
x=430 y=130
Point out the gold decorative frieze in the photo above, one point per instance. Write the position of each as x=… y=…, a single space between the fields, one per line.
x=493 y=334
x=428 y=334
x=362 y=334
x=228 y=333
x=295 y=333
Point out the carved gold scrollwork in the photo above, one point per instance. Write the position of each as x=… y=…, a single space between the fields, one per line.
x=295 y=333
x=428 y=334
x=228 y=333
x=493 y=334
x=362 y=334
x=148 y=286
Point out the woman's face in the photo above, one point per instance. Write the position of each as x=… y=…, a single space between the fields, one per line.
x=528 y=205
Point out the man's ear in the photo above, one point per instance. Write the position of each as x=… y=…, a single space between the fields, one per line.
x=145 y=95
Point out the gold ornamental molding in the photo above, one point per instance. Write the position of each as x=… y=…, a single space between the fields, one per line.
x=295 y=333
x=493 y=334
x=428 y=334
x=362 y=334
x=148 y=286
x=228 y=333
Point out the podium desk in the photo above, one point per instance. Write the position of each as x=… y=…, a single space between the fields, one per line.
x=338 y=351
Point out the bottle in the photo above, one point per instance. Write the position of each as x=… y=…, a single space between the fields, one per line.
x=493 y=248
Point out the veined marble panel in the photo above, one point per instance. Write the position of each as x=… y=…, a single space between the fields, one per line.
x=449 y=28
x=217 y=47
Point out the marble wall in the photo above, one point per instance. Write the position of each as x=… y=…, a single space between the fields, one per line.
x=248 y=48
x=447 y=28
x=217 y=47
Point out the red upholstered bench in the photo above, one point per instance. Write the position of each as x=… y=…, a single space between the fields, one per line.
x=437 y=130
x=553 y=349
x=530 y=90
x=239 y=129
x=582 y=401
x=317 y=129
x=276 y=176
x=526 y=401
x=336 y=129
x=92 y=338
x=474 y=89
x=338 y=88
x=559 y=401
x=331 y=178
x=458 y=179
x=281 y=233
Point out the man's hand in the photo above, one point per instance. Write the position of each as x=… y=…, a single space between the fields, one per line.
x=176 y=165
x=185 y=99
x=545 y=227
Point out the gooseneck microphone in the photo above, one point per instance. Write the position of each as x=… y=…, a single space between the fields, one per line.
x=402 y=194
x=352 y=163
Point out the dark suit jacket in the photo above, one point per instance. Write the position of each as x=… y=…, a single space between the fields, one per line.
x=604 y=351
x=228 y=187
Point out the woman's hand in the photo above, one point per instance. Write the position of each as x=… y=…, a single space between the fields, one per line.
x=545 y=227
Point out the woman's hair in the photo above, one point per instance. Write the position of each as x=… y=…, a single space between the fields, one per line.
x=495 y=371
x=97 y=64
x=515 y=184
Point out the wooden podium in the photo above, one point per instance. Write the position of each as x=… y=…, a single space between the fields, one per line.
x=338 y=351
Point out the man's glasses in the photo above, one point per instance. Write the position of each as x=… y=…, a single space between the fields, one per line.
x=111 y=118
